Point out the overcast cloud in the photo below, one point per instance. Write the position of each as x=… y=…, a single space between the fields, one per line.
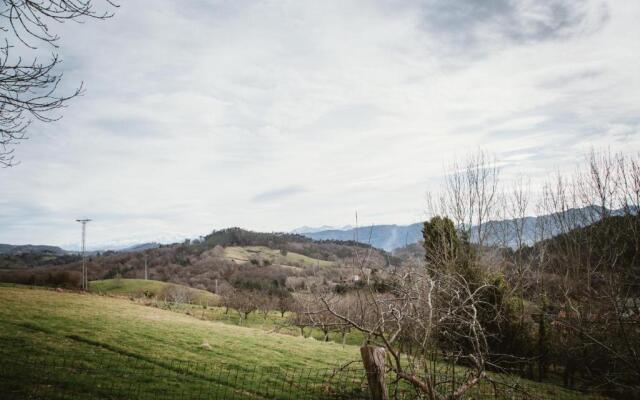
x=275 y=114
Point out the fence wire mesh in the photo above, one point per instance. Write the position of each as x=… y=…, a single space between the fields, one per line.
x=105 y=375
x=125 y=378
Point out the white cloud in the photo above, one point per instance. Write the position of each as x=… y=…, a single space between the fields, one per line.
x=196 y=109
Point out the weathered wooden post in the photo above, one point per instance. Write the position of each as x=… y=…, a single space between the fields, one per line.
x=373 y=360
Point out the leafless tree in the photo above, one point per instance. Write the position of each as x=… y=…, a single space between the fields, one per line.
x=299 y=317
x=29 y=89
x=284 y=304
x=178 y=294
x=515 y=235
x=244 y=302
x=470 y=195
x=266 y=303
x=426 y=315
x=318 y=317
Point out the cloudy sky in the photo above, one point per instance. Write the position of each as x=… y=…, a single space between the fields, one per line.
x=203 y=114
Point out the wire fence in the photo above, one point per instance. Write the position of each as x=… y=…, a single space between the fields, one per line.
x=102 y=375
x=76 y=379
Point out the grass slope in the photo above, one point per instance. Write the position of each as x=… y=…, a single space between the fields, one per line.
x=48 y=321
x=91 y=330
x=272 y=321
x=149 y=288
x=247 y=253
x=88 y=346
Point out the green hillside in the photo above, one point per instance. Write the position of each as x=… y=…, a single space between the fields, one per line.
x=72 y=345
x=47 y=321
x=149 y=288
x=54 y=327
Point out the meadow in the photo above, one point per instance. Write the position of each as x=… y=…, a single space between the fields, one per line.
x=149 y=289
x=158 y=353
x=89 y=331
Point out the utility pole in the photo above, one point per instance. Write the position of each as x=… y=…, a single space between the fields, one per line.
x=146 y=271
x=85 y=281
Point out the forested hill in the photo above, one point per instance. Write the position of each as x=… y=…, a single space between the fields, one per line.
x=30 y=248
x=611 y=245
x=229 y=257
x=24 y=256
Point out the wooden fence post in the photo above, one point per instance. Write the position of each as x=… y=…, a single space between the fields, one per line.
x=373 y=360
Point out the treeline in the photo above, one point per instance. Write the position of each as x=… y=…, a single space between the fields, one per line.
x=52 y=278
x=35 y=259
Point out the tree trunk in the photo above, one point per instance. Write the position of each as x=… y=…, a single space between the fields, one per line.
x=373 y=360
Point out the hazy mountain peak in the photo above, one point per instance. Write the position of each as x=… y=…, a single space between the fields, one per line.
x=309 y=229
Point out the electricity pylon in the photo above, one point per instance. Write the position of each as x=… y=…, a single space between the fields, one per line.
x=146 y=271
x=85 y=281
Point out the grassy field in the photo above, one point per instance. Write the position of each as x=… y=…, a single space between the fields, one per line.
x=93 y=330
x=135 y=351
x=271 y=322
x=247 y=253
x=147 y=288
x=49 y=321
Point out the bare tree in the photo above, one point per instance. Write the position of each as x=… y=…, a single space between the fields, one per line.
x=244 y=302
x=515 y=210
x=267 y=303
x=178 y=294
x=318 y=317
x=284 y=304
x=299 y=317
x=470 y=195
x=426 y=314
x=29 y=89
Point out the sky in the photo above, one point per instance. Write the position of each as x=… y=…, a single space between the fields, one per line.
x=270 y=115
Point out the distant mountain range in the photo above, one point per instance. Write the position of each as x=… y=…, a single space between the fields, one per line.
x=390 y=237
x=386 y=237
x=140 y=247
x=308 y=229
x=131 y=243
